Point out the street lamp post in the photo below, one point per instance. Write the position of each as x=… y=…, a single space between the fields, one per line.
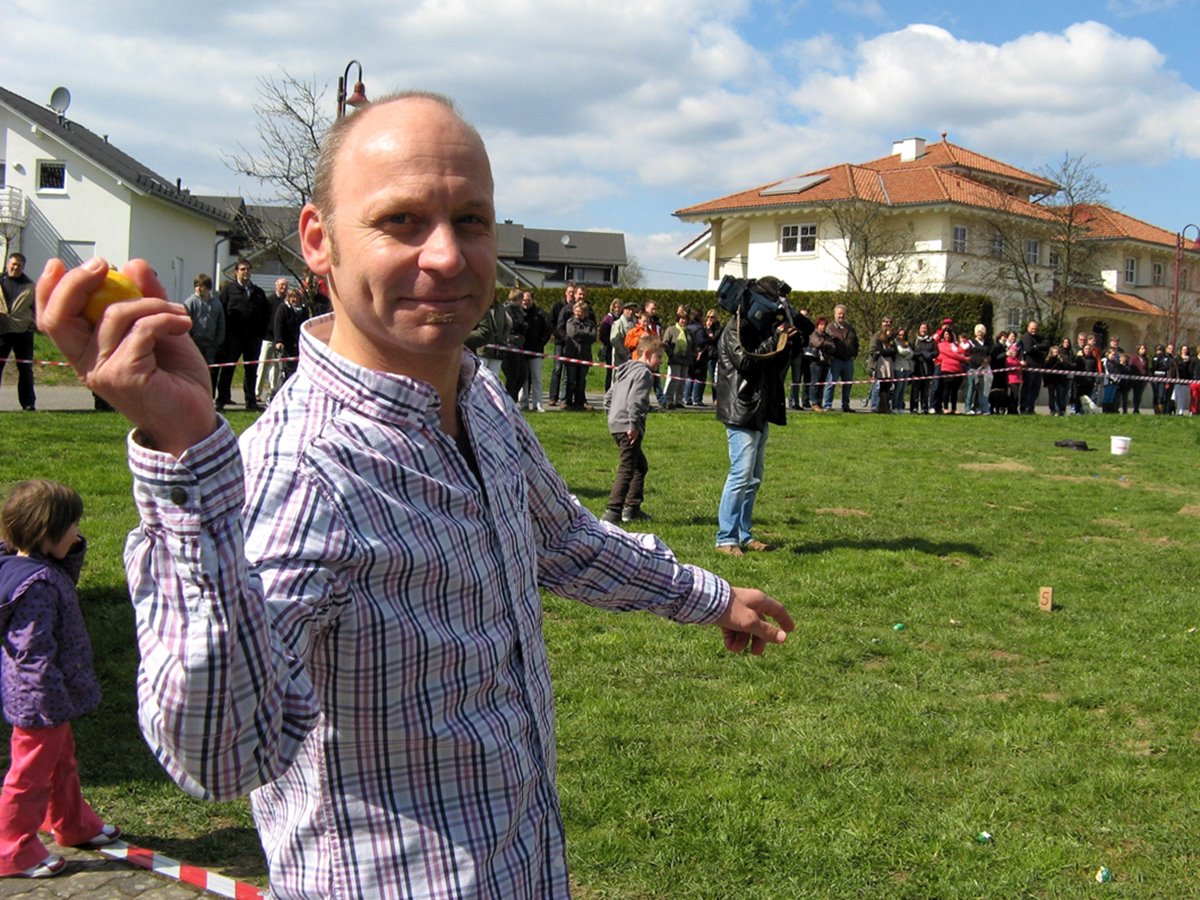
x=358 y=96
x=1179 y=238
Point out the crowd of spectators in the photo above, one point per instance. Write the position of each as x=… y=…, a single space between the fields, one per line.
x=937 y=369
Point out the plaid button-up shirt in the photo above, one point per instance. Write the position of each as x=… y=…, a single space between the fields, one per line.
x=376 y=671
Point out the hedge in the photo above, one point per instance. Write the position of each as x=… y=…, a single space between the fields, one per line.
x=863 y=310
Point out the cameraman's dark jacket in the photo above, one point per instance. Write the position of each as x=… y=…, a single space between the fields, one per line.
x=750 y=389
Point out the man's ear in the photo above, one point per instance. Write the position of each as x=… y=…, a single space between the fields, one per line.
x=316 y=241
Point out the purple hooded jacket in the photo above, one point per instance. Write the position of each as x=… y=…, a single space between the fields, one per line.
x=46 y=675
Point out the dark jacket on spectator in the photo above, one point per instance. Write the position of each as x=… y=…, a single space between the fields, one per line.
x=750 y=388
x=247 y=311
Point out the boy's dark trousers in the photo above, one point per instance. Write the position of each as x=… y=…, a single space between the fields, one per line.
x=631 y=473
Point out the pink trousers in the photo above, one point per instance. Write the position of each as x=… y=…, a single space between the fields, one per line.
x=42 y=791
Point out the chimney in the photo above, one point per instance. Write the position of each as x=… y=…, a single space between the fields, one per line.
x=909 y=149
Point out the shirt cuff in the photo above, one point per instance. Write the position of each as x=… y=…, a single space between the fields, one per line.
x=707 y=601
x=181 y=493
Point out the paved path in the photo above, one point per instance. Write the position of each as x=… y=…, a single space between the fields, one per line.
x=93 y=876
x=60 y=397
x=73 y=397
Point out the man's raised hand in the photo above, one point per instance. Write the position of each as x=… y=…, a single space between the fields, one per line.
x=138 y=356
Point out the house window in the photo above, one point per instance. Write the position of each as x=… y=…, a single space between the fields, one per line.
x=1156 y=273
x=51 y=175
x=1033 y=252
x=960 y=239
x=1019 y=318
x=1052 y=260
x=1130 y=270
x=3 y=175
x=798 y=239
x=997 y=244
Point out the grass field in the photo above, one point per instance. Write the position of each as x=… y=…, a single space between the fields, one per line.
x=859 y=759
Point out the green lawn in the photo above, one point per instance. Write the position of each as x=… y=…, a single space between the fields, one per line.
x=857 y=759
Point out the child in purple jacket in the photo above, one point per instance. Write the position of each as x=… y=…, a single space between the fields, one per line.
x=46 y=679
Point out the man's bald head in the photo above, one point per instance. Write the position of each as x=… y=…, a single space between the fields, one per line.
x=335 y=139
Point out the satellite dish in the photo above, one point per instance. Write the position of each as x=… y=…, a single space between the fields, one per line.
x=60 y=99
x=566 y=240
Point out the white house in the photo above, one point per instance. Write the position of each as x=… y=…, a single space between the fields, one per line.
x=67 y=192
x=936 y=218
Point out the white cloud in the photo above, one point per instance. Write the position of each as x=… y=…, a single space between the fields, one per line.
x=616 y=112
x=867 y=9
x=656 y=255
x=1126 y=8
x=1086 y=89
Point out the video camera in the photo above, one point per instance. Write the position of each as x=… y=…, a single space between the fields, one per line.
x=762 y=303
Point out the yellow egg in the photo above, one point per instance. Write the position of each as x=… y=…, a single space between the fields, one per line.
x=116 y=288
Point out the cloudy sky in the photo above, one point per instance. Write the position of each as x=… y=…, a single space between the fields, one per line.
x=609 y=116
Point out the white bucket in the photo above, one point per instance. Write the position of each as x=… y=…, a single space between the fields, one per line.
x=1120 y=445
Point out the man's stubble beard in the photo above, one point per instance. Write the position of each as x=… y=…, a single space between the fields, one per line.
x=433 y=318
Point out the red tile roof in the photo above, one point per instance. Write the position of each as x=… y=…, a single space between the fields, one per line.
x=944 y=155
x=910 y=184
x=1096 y=298
x=944 y=174
x=1107 y=224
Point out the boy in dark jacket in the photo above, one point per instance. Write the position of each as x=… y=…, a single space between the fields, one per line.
x=628 y=401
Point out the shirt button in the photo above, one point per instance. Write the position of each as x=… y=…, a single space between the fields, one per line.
x=179 y=496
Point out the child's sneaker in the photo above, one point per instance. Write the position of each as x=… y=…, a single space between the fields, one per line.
x=47 y=868
x=107 y=835
x=634 y=514
x=612 y=516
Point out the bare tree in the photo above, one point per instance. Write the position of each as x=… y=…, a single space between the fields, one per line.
x=632 y=275
x=1063 y=258
x=876 y=258
x=291 y=123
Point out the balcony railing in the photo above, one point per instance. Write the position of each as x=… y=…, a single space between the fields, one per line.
x=12 y=206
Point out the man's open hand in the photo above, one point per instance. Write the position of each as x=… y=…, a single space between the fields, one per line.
x=746 y=621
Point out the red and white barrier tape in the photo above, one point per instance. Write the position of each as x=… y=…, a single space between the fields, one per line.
x=906 y=378
x=1071 y=374
x=213 y=882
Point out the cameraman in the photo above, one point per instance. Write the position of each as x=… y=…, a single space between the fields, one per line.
x=753 y=354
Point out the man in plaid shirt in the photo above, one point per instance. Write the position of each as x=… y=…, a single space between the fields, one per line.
x=350 y=627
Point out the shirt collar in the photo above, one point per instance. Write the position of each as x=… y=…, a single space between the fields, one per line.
x=384 y=394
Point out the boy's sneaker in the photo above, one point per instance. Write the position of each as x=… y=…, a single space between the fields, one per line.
x=611 y=515
x=634 y=514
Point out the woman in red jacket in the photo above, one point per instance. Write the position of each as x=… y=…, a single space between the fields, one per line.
x=952 y=358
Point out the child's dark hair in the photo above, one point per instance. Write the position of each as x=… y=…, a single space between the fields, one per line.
x=37 y=512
